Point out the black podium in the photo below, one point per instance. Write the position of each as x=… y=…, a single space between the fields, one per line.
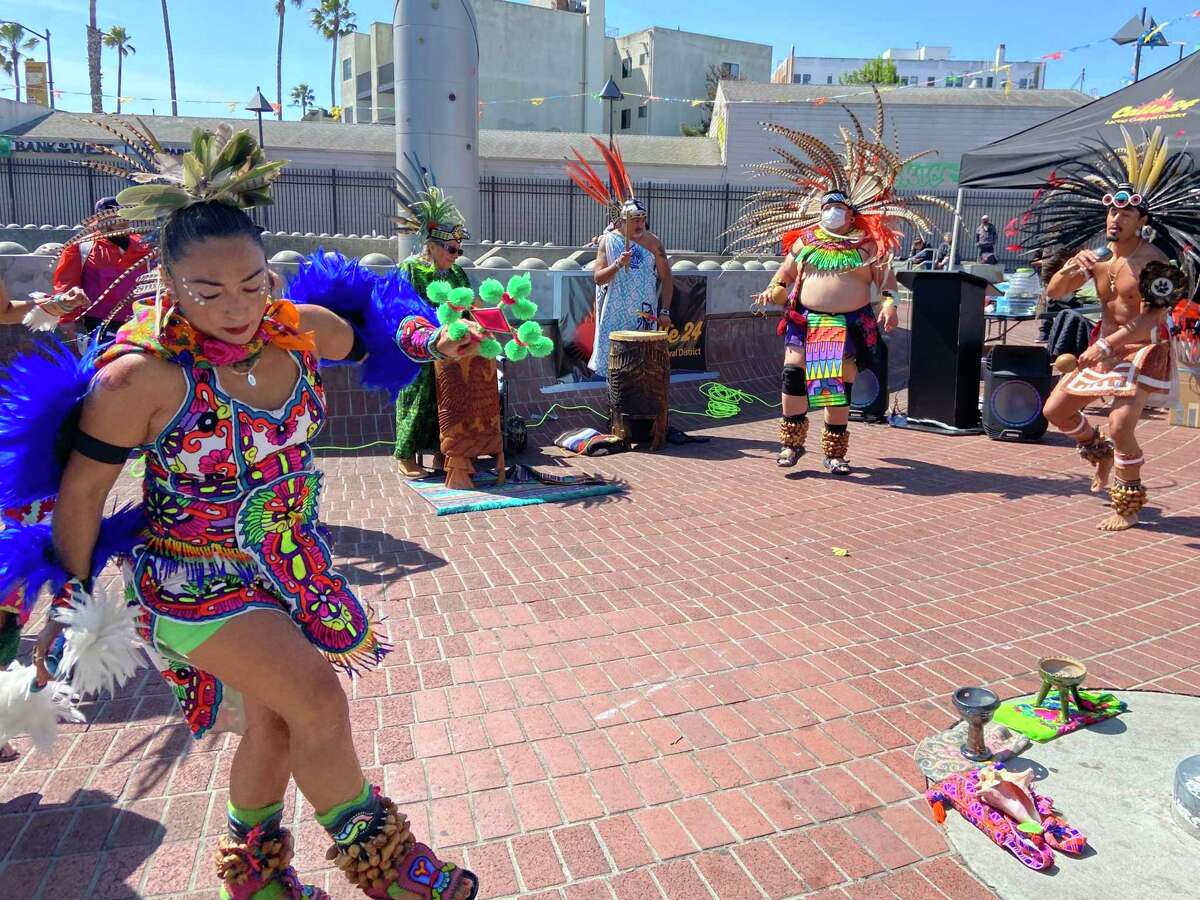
x=947 y=348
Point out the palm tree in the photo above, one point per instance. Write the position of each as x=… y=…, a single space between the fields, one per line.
x=170 y=58
x=303 y=97
x=93 y=52
x=118 y=38
x=280 y=9
x=333 y=19
x=13 y=36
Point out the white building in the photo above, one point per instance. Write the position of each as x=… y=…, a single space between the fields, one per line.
x=946 y=120
x=920 y=66
x=540 y=65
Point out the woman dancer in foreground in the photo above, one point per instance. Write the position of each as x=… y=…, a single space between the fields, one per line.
x=218 y=384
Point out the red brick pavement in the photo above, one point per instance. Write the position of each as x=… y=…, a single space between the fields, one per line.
x=679 y=691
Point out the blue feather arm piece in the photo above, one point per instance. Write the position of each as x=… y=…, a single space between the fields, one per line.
x=28 y=560
x=374 y=305
x=40 y=398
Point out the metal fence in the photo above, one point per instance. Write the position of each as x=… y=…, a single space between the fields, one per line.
x=691 y=217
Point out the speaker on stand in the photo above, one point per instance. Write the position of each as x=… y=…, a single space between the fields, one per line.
x=1016 y=383
x=869 y=398
x=946 y=325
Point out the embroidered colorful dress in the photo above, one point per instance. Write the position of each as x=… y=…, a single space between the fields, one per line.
x=627 y=303
x=231 y=500
x=416 y=407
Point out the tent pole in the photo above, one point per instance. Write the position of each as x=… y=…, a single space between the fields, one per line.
x=952 y=263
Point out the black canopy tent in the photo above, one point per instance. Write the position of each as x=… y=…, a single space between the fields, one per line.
x=1169 y=99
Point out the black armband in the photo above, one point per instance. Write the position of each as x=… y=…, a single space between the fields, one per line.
x=359 y=350
x=101 y=451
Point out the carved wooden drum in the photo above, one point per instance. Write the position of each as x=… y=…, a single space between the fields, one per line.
x=469 y=416
x=639 y=376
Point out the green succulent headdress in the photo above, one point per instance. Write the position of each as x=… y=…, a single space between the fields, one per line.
x=222 y=166
x=425 y=210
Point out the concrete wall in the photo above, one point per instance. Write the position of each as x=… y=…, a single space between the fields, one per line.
x=527 y=51
x=949 y=130
x=676 y=65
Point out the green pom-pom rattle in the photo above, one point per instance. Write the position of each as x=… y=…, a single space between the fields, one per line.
x=515 y=351
x=489 y=348
x=457 y=330
x=518 y=292
x=438 y=292
x=491 y=292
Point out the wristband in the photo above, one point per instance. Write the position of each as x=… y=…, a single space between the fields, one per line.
x=888 y=300
x=1105 y=346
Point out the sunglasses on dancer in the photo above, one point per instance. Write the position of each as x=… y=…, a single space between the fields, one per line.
x=453 y=251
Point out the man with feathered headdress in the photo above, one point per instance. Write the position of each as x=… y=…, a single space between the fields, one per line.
x=1140 y=201
x=837 y=218
x=631 y=263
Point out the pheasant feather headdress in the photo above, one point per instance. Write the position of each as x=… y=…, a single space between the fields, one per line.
x=863 y=172
x=616 y=196
x=222 y=166
x=425 y=210
x=1072 y=209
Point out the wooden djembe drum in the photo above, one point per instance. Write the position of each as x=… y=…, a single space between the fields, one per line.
x=469 y=416
x=639 y=375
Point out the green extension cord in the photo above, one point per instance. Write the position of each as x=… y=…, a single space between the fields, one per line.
x=723 y=403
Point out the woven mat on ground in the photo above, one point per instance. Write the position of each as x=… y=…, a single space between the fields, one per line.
x=525 y=487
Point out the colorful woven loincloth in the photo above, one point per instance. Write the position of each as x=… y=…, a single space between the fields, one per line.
x=824 y=351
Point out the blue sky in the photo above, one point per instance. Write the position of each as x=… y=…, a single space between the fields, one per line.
x=224 y=48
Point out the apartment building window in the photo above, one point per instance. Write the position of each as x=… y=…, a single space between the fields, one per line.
x=796 y=78
x=806 y=78
x=731 y=70
x=626 y=119
x=626 y=66
x=642 y=111
x=829 y=79
x=1023 y=83
x=930 y=81
x=347 y=69
x=991 y=82
x=643 y=58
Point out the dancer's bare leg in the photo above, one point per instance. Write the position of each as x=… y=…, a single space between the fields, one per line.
x=1128 y=495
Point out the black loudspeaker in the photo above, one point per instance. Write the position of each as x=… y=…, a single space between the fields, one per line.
x=1016 y=383
x=947 y=348
x=869 y=399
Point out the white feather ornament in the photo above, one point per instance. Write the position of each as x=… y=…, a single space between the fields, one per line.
x=101 y=651
x=24 y=710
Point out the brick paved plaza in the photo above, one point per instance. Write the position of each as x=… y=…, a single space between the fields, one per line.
x=678 y=691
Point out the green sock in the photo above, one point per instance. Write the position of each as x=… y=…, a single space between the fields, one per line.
x=251 y=817
x=243 y=819
x=341 y=822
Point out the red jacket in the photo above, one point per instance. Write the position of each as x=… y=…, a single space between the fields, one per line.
x=103 y=267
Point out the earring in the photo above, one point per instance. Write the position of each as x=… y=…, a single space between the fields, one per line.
x=1147 y=233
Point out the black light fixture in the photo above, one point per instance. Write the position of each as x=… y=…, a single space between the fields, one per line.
x=611 y=94
x=259 y=104
x=1143 y=31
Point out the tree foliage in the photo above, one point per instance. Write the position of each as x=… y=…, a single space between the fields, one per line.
x=874 y=71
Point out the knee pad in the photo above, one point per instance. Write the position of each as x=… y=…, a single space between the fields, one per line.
x=795 y=381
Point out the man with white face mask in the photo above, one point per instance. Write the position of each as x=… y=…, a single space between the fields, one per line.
x=838 y=214
x=829 y=326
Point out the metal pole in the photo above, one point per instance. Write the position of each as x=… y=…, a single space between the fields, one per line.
x=50 y=68
x=958 y=205
x=610 y=124
x=1137 y=56
x=260 y=132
